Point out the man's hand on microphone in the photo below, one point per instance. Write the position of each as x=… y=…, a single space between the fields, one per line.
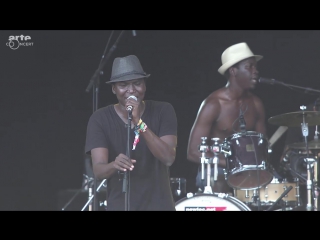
x=123 y=163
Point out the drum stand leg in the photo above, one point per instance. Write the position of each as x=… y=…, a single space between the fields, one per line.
x=256 y=198
x=309 y=183
x=215 y=161
x=315 y=182
x=215 y=148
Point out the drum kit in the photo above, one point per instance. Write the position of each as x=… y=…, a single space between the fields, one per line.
x=251 y=175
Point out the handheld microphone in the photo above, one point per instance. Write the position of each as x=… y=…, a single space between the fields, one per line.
x=129 y=108
x=269 y=81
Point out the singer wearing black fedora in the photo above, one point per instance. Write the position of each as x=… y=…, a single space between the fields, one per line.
x=136 y=169
x=226 y=112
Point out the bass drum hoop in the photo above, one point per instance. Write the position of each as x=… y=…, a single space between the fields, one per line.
x=240 y=205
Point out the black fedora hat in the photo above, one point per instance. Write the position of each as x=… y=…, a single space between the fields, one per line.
x=126 y=68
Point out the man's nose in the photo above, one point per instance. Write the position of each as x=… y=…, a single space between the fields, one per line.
x=130 y=88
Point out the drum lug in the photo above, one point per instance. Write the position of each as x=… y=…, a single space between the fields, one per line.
x=225 y=174
x=189 y=195
x=222 y=195
x=260 y=141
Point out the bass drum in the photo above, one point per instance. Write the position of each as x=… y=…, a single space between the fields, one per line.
x=210 y=202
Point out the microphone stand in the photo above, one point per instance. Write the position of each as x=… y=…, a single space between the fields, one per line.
x=126 y=174
x=295 y=86
x=94 y=84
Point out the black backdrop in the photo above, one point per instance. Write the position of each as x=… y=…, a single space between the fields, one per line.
x=45 y=108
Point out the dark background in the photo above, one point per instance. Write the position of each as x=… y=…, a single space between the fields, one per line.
x=45 y=108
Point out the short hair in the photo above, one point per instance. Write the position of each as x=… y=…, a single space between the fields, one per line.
x=227 y=74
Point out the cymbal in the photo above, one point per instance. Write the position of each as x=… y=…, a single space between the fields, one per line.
x=294 y=119
x=314 y=144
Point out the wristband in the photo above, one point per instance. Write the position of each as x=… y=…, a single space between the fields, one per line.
x=140 y=121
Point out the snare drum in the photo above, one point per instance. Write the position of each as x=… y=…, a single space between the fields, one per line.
x=247 y=167
x=270 y=193
x=210 y=202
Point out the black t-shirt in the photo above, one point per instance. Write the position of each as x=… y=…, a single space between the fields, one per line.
x=149 y=187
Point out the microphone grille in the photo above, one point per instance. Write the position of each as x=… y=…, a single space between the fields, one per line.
x=133 y=97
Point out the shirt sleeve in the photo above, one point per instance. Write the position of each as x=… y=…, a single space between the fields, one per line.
x=95 y=136
x=168 y=121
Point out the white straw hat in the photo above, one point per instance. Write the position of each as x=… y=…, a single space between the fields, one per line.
x=235 y=54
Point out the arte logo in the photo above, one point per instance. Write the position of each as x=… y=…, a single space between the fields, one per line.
x=16 y=41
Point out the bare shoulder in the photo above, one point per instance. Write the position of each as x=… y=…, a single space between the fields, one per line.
x=214 y=99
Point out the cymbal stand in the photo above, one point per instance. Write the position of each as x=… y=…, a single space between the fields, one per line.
x=204 y=148
x=315 y=169
x=305 y=133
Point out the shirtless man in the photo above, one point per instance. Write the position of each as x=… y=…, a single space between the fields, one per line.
x=218 y=115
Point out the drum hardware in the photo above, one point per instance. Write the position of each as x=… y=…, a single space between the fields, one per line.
x=92 y=196
x=305 y=132
x=178 y=188
x=305 y=119
x=265 y=196
x=312 y=188
x=226 y=150
x=256 y=197
x=282 y=195
x=215 y=148
x=315 y=182
x=297 y=187
x=203 y=148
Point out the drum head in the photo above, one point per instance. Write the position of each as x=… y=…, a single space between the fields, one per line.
x=248 y=179
x=210 y=202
